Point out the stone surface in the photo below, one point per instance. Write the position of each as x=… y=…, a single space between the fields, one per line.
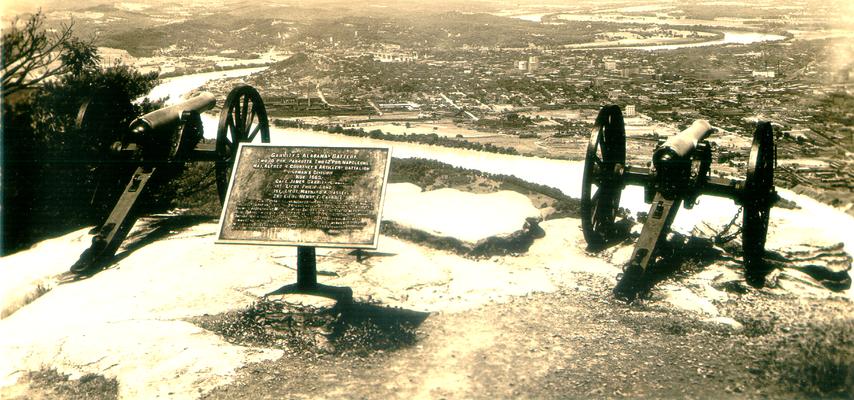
x=468 y=223
x=685 y=299
x=128 y=321
x=726 y=321
x=28 y=274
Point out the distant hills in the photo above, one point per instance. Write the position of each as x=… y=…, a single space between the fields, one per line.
x=142 y=27
x=142 y=34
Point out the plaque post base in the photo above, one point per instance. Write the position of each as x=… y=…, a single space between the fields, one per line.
x=307 y=280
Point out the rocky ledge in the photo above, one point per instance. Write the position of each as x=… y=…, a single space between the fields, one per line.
x=471 y=224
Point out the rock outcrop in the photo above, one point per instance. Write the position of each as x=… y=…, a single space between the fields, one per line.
x=469 y=224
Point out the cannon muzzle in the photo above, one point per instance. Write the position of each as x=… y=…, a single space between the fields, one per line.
x=681 y=144
x=672 y=160
x=168 y=118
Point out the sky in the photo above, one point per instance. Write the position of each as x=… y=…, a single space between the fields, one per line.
x=10 y=8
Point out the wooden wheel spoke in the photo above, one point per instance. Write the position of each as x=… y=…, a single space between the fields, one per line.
x=237 y=120
x=249 y=118
x=600 y=141
x=244 y=113
x=231 y=126
x=254 y=132
x=594 y=212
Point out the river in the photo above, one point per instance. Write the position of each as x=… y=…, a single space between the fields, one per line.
x=175 y=88
x=730 y=37
x=793 y=225
x=617 y=17
x=740 y=36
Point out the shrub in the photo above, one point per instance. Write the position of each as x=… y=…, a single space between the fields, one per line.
x=50 y=181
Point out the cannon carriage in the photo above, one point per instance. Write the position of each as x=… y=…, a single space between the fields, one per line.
x=679 y=173
x=160 y=144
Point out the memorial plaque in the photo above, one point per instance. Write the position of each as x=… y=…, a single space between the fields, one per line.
x=306 y=196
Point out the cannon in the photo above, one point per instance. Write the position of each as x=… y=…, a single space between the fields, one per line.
x=678 y=174
x=160 y=143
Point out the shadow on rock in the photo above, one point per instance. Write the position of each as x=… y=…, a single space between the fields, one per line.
x=152 y=230
x=619 y=232
x=684 y=255
x=347 y=328
x=517 y=242
x=159 y=228
x=828 y=265
x=678 y=257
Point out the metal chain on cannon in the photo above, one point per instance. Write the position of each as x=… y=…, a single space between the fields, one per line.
x=723 y=237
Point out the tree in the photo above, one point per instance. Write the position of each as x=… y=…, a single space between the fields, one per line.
x=31 y=55
x=49 y=177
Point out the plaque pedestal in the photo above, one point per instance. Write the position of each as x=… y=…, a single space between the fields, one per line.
x=307 y=280
x=306 y=268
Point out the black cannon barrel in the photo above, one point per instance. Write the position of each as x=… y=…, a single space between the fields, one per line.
x=169 y=116
x=682 y=143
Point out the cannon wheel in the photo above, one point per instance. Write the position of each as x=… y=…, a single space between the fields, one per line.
x=100 y=120
x=243 y=119
x=100 y=117
x=606 y=156
x=757 y=199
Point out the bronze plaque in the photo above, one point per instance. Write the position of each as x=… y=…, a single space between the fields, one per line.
x=305 y=196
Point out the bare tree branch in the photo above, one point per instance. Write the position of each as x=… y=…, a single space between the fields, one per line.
x=30 y=55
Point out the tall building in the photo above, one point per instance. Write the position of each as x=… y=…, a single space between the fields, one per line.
x=610 y=65
x=630 y=110
x=533 y=63
x=395 y=56
x=764 y=74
